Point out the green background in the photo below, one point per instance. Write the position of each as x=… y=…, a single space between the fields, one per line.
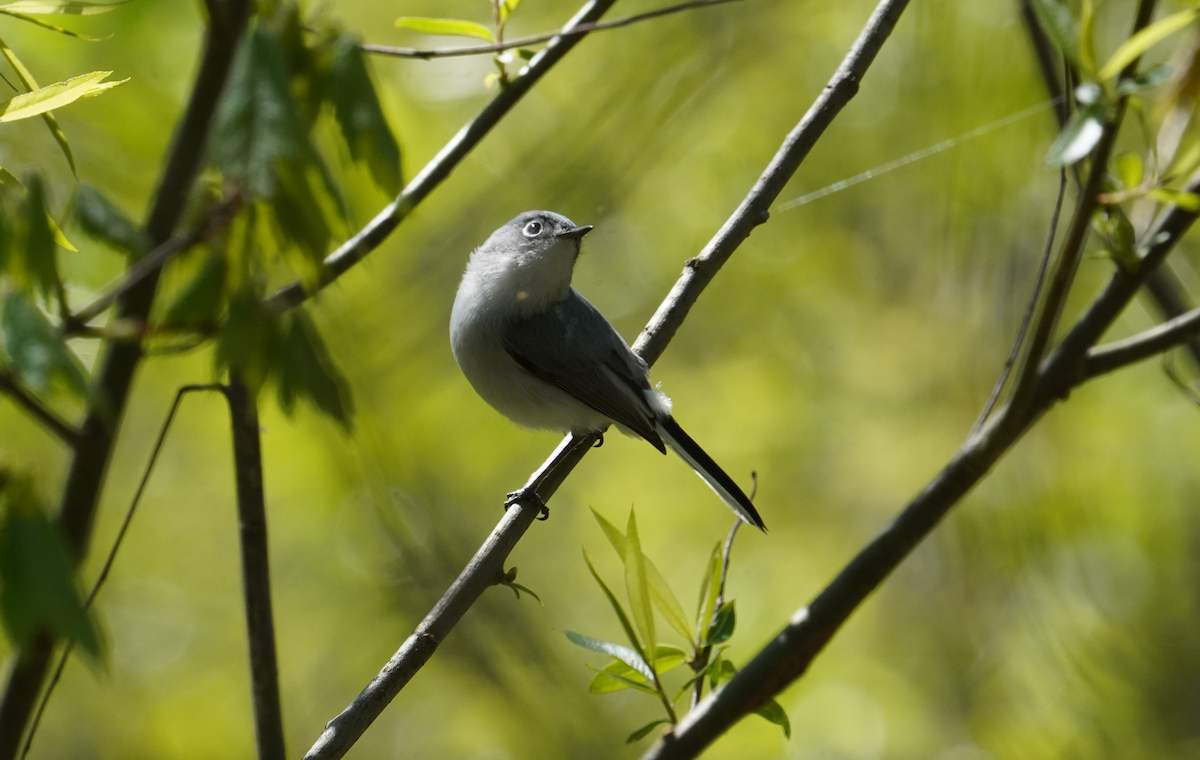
x=843 y=354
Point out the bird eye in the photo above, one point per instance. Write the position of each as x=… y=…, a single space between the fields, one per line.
x=533 y=229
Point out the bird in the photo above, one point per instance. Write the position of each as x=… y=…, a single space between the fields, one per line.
x=544 y=357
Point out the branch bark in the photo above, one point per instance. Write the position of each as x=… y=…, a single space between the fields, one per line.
x=256 y=575
x=1113 y=356
x=41 y=412
x=486 y=567
x=120 y=359
x=377 y=230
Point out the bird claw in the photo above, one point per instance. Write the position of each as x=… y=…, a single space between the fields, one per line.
x=528 y=496
x=599 y=441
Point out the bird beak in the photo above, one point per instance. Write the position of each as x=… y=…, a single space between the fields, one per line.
x=576 y=232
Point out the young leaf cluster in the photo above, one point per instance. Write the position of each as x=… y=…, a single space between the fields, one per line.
x=641 y=665
x=456 y=27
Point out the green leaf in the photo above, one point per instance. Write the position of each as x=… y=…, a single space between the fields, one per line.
x=451 y=27
x=361 y=118
x=37 y=587
x=1132 y=48
x=198 y=302
x=256 y=123
x=39 y=259
x=56 y=95
x=626 y=655
x=722 y=627
x=667 y=658
x=775 y=714
x=1060 y=26
x=660 y=593
x=710 y=589
x=47 y=25
x=506 y=9
x=300 y=218
x=1184 y=200
x=616 y=605
x=518 y=588
x=103 y=221
x=1078 y=138
x=524 y=54
x=1129 y=169
x=714 y=670
x=35 y=350
x=1151 y=77
x=71 y=7
x=644 y=730
x=1118 y=236
x=1087 y=47
x=305 y=369
x=31 y=84
x=637 y=587
x=249 y=340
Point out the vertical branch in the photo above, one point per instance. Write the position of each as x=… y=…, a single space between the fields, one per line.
x=116 y=368
x=256 y=575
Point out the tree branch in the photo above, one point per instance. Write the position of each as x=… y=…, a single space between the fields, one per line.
x=256 y=575
x=43 y=413
x=486 y=567
x=580 y=30
x=370 y=237
x=1113 y=356
x=116 y=367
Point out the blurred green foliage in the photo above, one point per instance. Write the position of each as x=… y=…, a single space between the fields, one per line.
x=843 y=354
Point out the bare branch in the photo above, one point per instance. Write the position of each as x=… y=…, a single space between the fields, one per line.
x=43 y=413
x=499 y=47
x=217 y=217
x=487 y=566
x=1113 y=356
x=370 y=237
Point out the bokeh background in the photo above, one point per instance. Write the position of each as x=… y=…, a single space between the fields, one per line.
x=843 y=354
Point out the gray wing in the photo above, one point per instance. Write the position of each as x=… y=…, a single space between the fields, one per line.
x=574 y=348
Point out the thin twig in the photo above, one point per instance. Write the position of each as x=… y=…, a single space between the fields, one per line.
x=112 y=554
x=217 y=217
x=370 y=237
x=1113 y=356
x=43 y=413
x=1030 y=308
x=704 y=654
x=582 y=29
x=487 y=564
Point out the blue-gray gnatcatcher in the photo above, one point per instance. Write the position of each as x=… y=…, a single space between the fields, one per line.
x=544 y=357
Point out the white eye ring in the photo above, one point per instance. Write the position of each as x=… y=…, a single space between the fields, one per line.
x=533 y=229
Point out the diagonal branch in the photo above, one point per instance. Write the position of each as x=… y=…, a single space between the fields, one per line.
x=370 y=237
x=499 y=47
x=43 y=413
x=1113 y=356
x=487 y=566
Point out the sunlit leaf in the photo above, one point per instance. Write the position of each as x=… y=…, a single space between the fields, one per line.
x=637 y=587
x=723 y=626
x=361 y=118
x=1139 y=43
x=518 y=588
x=667 y=658
x=451 y=27
x=103 y=221
x=619 y=610
x=36 y=352
x=1078 y=138
x=56 y=95
x=37 y=587
x=71 y=7
x=624 y=654
x=305 y=369
x=775 y=714
x=710 y=588
x=660 y=593
x=1184 y=200
x=1060 y=26
x=31 y=84
x=1087 y=47
x=506 y=9
x=644 y=730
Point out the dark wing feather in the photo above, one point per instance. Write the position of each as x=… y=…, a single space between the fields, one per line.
x=574 y=348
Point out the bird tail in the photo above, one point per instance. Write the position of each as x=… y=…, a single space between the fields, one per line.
x=688 y=450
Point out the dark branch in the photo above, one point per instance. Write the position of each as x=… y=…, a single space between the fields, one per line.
x=1122 y=353
x=377 y=230
x=499 y=47
x=43 y=413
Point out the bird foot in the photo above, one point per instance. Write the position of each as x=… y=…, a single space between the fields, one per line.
x=599 y=441
x=529 y=496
